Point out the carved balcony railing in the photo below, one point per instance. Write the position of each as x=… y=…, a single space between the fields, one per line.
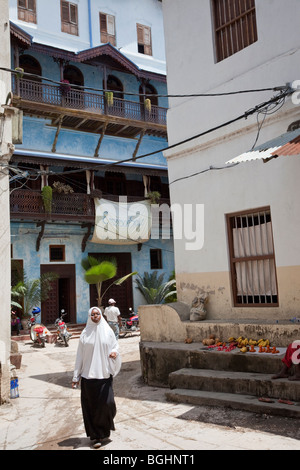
x=28 y=205
x=36 y=97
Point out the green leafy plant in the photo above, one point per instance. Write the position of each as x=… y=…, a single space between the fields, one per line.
x=154 y=197
x=31 y=292
x=59 y=187
x=98 y=271
x=47 y=198
x=152 y=287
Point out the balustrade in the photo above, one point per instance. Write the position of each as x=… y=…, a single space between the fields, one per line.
x=72 y=98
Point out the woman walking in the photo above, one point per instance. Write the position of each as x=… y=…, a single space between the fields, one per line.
x=97 y=362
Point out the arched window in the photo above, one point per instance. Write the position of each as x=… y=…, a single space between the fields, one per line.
x=115 y=85
x=30 y=87
x=74 y=97
x=73 y=75
x=30 y=65
x=149 y=92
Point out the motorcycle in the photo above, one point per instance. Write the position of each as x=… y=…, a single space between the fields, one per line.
x=130 y=324
x=38 y=332
x=62 y=330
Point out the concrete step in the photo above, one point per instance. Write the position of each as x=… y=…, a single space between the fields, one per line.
x=225 y=381
x=233 y=401
x=159 y=359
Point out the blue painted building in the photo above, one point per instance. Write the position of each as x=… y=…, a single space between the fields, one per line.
x=92 y=92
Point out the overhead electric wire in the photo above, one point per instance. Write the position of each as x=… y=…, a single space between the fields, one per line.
x=285 y=91
x=184 y=95
x=245 y=115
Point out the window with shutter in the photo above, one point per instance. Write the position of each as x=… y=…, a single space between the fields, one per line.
x=144 y=39
x=27 y=11
x=107 y=29
x=69 y=18
x=235 y=26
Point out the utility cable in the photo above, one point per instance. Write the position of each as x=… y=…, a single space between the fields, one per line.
x=185 y=95
x=245 y=115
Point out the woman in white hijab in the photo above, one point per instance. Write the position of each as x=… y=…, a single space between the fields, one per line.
x=97 y=362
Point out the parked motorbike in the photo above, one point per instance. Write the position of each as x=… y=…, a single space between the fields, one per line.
x=38 y=332
x=130 y=324
x=62 y=330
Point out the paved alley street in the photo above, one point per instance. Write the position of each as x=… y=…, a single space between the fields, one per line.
x=47 y=415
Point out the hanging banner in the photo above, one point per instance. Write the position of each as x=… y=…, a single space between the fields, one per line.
x=122 y=222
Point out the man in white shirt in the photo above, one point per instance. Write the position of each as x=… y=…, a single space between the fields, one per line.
x=113 y=317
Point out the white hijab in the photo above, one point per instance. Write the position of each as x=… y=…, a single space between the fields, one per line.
x=96 y=342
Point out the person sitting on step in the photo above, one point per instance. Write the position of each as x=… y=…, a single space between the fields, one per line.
x=292 y=357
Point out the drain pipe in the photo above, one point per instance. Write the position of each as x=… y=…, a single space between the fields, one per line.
x=90 y=23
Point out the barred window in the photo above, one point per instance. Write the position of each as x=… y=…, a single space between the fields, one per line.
x=57 y=252
x=235 y=26
x=252 y=259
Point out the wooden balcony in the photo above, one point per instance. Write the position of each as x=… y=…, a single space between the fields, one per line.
x=87 y=111
x=28 y=205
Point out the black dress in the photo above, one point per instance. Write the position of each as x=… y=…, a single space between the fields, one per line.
x=98 y=407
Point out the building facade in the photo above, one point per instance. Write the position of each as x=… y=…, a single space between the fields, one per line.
x=89 y=78
x=242 y=58
x=6 y=149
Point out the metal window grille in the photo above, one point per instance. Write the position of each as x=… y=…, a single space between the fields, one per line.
x=252 y=259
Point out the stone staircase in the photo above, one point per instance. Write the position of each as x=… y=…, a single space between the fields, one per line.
x=237 y=384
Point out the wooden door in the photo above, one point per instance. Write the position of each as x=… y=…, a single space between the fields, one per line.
x=62 y=294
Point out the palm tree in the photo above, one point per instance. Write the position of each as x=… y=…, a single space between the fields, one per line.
x=31 y=292
x=97 y=271
x=154 y=290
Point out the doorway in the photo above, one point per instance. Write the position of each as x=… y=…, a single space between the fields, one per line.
x=62 y=294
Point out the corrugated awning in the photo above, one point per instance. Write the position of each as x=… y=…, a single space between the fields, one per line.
x=287 y=144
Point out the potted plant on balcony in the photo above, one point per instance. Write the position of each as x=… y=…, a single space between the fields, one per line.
x=154 y=197
x=59 y=187
x=47 y=199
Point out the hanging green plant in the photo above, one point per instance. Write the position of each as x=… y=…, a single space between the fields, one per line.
x=47 y=198
x=147 y=104
x=154 y=197
x=109 y=97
